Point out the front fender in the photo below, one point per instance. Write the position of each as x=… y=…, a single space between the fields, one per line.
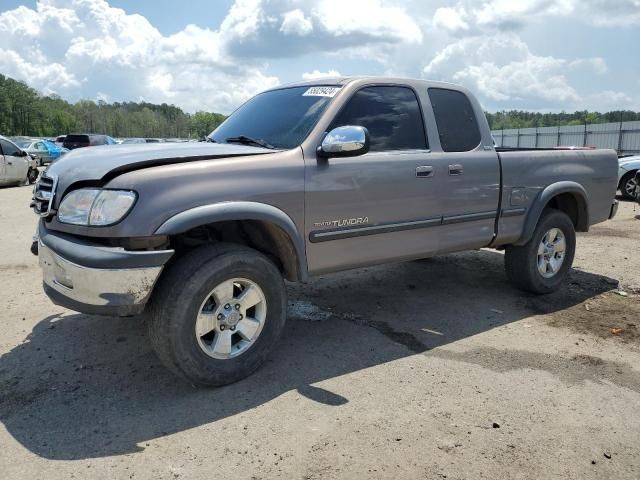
x=542 y=200
x=229 y=211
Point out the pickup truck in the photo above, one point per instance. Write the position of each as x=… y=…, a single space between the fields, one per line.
x=302 y=180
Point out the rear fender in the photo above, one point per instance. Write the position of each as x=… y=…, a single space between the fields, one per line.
x=542 y=201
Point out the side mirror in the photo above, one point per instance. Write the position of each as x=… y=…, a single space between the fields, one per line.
x=23 y=153
x=347 y=141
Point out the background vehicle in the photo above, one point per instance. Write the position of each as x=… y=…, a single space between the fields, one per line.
x=59 y=140
x=44 y=150
x=16 y=165
x=80 y=140
x=628 y=167
x=303 y=180
x=128 y=141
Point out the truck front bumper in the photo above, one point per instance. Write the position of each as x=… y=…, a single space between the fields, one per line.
x=94 y=279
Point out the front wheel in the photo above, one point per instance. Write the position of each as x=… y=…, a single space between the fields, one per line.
x=542 y=264
x=32 y=175
x=628 y=186
x=216 y=313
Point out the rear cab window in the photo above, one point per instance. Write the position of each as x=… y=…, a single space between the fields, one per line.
x=76 y=140
x=391 y=114
x=455 y=119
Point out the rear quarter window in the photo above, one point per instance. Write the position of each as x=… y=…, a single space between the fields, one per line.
x=456 y=121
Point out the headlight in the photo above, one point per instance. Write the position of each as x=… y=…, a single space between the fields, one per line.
x=95 y=207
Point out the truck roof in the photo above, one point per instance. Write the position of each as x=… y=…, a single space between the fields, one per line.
x=369 y=79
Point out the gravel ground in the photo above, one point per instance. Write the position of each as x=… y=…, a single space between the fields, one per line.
x=431 y=369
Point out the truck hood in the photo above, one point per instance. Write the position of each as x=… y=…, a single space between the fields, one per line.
x=105 y=162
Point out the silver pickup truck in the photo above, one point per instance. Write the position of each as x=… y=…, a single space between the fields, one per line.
x=302 y=180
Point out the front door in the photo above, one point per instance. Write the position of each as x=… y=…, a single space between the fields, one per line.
x=3 y=170
x=14 y=162
x=379 y=206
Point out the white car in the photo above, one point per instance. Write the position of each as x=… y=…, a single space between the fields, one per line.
x=16 y=165
x=627 y=169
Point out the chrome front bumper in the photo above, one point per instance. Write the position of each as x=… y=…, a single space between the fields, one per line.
x=97 y=288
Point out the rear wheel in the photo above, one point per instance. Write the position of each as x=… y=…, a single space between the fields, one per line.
x=542 y=264
x=216 y=314
x=628 y=185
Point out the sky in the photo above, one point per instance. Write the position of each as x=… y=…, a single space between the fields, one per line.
x=538 y=55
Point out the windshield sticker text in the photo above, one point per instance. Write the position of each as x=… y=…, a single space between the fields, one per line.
x=321 y=92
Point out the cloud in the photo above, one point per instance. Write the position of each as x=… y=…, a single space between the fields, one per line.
x=295 y=23
x=453 y=19
x=616 y=13
x=591 y=65
x=261 y=29
x=316 y=74
x=77 y=48
x=513 y=15
x=369 y=18
x=502 y=68
x=89 y=49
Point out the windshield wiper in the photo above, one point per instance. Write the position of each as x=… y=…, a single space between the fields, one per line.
x=249 y=141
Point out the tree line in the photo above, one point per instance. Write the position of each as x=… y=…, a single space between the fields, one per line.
x=522 y=119
x=24 y=111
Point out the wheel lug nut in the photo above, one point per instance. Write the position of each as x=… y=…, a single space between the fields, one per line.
x=237 y=306
x=220 y=316
x=221 y=327
x=227 y=307
x=233 y=328
x=241 y=316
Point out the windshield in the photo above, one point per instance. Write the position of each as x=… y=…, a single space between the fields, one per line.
x=280 y=118
x=23 y=143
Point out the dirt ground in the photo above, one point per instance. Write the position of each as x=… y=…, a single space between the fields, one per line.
x=431 y=369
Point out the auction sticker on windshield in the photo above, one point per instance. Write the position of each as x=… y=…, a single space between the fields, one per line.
x=321 y=92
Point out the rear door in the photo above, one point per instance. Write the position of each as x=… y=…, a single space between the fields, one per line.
x=42 y=151
x=471 y=179
x=379 y=206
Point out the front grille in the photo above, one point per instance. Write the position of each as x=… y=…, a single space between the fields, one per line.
x=43 y=194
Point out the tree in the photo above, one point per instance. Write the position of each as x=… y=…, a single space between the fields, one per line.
x=23 y=111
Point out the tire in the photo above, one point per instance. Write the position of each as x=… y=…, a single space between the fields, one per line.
x=627 y=185
x=178 y=300
x=32 y=175
x=522 y=263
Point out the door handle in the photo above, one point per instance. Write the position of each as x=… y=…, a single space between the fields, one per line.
x=424 y=171
x=10 y=163
x=456 y=169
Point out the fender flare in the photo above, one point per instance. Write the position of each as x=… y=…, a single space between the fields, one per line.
x=229 y=211
x=543 y=198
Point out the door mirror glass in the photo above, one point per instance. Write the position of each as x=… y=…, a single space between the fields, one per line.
x=346 y=141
